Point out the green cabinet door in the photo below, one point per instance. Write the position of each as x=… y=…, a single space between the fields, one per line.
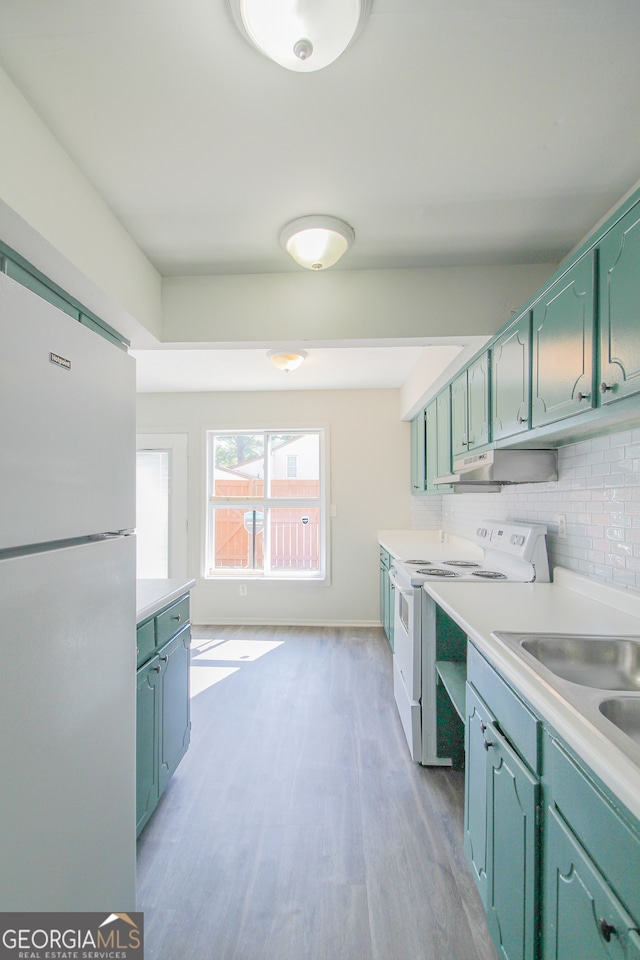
x=391 y=609
x=476 y=835
x=478 y=393
x=418 y=463
x=563 y=333
x=443 y=423
x=147 y=740
x=459 y=416
x=175 y=724
x=583 y=920
x=438 y=442
x=500 y=832
x=512 y=800
x=387 y=598
x=384 y=596
x=511 y=379
x=470 y=412
x=619 y=293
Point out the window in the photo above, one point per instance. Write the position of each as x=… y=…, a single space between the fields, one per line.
x=161 y=506
x=266 y=511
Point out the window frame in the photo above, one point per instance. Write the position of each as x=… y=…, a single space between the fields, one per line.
x=177 y=446
x=264 y=504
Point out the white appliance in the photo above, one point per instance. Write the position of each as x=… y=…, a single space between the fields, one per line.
x=500 y=552
x=67 y=594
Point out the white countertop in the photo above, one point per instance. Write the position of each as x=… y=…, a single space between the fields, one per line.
x=427 y=545
x=152 y=595
x=571 y=604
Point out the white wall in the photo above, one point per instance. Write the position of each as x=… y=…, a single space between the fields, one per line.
x=347 y=304
x=598 y=491
x=370 y=463
x=41 y=188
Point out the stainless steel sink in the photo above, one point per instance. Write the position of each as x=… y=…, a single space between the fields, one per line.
x=585 y=671
x=607 y=663
x=624 y=712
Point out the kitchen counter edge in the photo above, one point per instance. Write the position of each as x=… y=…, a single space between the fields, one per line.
x=153 y=595
x=565 y=606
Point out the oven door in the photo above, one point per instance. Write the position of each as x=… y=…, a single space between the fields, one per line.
x=406 y=665
x=407 y=636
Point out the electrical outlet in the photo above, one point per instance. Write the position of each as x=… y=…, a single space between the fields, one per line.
x=561 y=520
x=242 y=589
x=442 y=536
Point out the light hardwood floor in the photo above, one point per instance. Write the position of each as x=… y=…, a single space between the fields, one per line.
x=297 y=827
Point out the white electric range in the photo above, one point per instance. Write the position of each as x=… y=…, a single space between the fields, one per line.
x=500 y=551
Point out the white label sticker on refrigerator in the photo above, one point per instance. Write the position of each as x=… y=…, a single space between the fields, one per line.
x=60 y=361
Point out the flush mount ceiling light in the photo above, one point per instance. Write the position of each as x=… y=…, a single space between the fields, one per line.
x=302 y=35
x=286 y=360
x=317 y=242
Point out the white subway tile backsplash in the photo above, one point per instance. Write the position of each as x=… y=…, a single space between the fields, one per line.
x=598 y=491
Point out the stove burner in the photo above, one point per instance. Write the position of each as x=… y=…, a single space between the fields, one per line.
x=417 y=563
x=438 y=572
x=489 y=574
x=461 y=563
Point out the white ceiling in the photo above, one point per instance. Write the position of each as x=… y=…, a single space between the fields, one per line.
x=340 y=368
x=452 y=132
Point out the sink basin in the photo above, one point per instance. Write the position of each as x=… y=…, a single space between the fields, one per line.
x=608 y=663
x=624 y=712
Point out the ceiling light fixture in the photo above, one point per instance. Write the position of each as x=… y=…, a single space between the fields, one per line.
x=317 y=242
x=286 y=360
x=302 y=35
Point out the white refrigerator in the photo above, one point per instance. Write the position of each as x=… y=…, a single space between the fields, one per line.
x=67 y=608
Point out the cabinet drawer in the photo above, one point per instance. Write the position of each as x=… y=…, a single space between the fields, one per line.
x=515 y=720
x=607 y=838
x=145 y=640
x=171 y=620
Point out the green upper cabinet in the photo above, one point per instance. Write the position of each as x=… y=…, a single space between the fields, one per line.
x=563 y=334
x=619 y=286
x=418 y=463
x=511 y=379
x=438 y=442
x=470 y=414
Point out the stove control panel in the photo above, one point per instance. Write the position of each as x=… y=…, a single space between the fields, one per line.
x=511 y=537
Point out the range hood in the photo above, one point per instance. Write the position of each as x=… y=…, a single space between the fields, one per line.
x=488 y=472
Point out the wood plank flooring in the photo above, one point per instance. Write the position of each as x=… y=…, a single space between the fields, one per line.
x=297 y=827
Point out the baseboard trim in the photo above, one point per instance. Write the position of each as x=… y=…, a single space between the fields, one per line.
x=250 y=622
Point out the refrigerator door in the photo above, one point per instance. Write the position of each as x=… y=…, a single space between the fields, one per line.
x=67 y=729
x=67 y=426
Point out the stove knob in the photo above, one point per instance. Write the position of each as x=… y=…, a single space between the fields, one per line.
x=514 y=539
x=520 y=540
x=481 y=532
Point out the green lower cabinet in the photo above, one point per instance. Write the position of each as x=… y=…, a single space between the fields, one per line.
x=619 y=287
x=512 y=803
x=175 y=718
x=583 y=918
x=163 y=722
x=476 y=835
x=147 y=741
x=387 y=596
x=556 y=857
x=501 y=800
